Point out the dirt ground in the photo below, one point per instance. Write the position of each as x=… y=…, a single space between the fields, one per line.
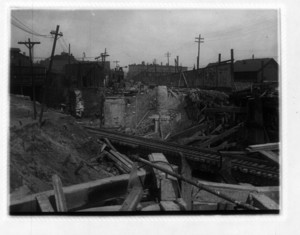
x=59 y=147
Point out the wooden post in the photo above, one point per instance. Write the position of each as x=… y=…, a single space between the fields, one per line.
x=134 y=189
x=48 y=73
x=59 y=194
x=186 y=188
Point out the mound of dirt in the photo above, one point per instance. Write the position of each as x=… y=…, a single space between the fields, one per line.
x=59 y=147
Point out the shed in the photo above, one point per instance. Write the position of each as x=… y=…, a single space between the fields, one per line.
x=256 y=70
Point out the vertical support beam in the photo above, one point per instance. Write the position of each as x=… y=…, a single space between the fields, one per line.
x=219 y=58
x=59 y=194
x=30 y=46
x=232 y=67
x=32 y=79
x=69 y=54
x=262 y=72
x=186 y=188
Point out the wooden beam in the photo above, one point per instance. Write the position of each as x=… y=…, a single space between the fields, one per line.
x=168 y=185
x=79 y=195
x=226 y=110
x=188 y=132
x=60 y=199
x=44 y=203
x=122 y=158
x=110 y=144
x=269 y=146
x=102 y=208
x=219 y=137
x=135 y=189
x=120 y=165
x=186 y=188
x=270 y=155
x=262 y=201
x=169 y=206
x=154 y=207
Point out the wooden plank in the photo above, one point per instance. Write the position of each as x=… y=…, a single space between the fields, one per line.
x=135 y=190
x=122 y=159
x=120 y=165
x=186 y=189
x=205 y=206
x=60 y=199
x=132 y=200
x=79 y=195
x=268 y=146
x=220 y=137
x=169 y=206
x=154 y=207
x=270 y=155
x=163 y=162
x=226 y=110
x=262 y=201
x=102 y=208
x=44 y=203
x=110 y=144
x=168 y=185
x=187 y=132
x=168 y=191
x=182 y=204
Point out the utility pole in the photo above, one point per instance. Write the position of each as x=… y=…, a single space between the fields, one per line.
x=30 y=46
x=168 y=54
x=56 y=34
x=102 y=56
x=199 y=40
x=69 y=53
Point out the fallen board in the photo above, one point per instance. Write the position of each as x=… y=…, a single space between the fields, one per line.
x=168 y=185
x=44 y=203
x=60 y=199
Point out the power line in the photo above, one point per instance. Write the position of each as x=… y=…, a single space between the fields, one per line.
x=17 y=23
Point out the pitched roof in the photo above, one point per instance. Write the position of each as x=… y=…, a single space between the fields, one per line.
x=251 y=65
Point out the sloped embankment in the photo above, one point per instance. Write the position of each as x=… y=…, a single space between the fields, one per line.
x=59 y=147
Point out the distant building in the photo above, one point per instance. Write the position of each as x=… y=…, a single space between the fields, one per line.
x=59 y=62
x=256 y=70
x=22 y=75
x=152 y=70
x=17 y=58
x=87 y=74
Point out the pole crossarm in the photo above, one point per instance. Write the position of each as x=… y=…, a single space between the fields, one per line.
x=199 y=40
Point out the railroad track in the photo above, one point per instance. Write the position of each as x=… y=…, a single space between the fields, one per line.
x=246 y=165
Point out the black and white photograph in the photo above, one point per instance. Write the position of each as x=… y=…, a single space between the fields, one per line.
x=149 y=117
x=144 y=112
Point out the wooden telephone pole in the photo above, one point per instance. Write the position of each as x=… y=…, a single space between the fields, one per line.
x=30 y=46
x=102 y=56
x=199 y=40
x=56 y=34
x=168 y=54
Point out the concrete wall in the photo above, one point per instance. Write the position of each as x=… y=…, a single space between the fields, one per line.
x=114 y=112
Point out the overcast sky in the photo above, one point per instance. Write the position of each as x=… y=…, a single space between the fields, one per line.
x=133 y=36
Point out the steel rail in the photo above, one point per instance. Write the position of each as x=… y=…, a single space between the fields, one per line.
x=207 y=156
